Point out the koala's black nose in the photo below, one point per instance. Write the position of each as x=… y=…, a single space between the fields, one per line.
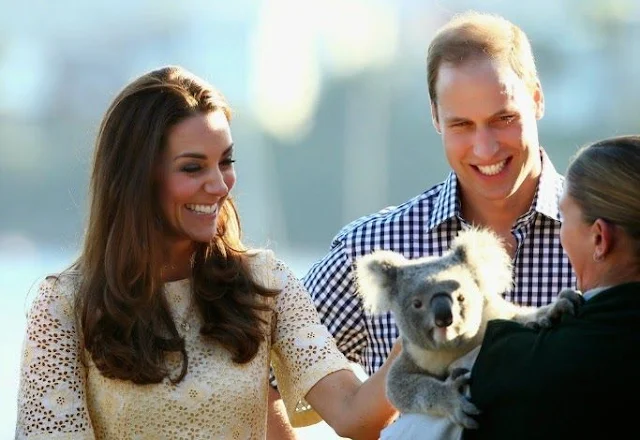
x=441 y=308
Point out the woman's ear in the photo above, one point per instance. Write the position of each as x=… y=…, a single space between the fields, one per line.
x=603 y=236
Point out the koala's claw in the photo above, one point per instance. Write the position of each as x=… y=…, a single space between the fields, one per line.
x=533 y=324
x=460 y=380
x=463 y=409
x=463 y=414
x=573 y=298
x=456 y=372
x=568 y=302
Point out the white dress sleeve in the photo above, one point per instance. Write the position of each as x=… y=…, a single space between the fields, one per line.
x=303 y=349
x=51 y=395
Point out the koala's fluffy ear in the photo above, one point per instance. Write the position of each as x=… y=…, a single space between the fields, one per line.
x=483 y=251
x=376 y=274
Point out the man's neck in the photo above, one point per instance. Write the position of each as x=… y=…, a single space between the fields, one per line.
x=499 y=215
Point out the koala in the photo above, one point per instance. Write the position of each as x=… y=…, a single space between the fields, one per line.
x=441 y=306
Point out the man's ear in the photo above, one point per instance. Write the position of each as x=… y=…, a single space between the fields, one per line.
x=434 y=117
x=538 y=99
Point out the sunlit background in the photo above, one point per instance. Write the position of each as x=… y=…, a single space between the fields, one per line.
x=332 y=118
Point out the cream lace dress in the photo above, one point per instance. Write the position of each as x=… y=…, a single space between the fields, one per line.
x=61 y=398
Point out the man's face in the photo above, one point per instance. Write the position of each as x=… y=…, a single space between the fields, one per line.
x=487 y=117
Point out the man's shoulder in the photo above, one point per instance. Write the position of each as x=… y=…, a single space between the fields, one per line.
x=408 y=216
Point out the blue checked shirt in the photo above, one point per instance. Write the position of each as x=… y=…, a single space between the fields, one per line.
x=426 y=225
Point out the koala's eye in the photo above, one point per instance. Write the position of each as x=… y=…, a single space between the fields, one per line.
x=460 y=298
x=417 y=303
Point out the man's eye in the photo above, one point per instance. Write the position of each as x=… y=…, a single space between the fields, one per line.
x=508 y=119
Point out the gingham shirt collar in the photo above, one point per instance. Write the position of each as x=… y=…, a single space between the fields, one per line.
x=545 y=201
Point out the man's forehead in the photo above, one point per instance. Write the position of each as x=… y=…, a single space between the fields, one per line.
x=484 y=91
x=480 y=69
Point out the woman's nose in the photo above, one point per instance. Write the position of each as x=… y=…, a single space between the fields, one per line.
x=215 y=184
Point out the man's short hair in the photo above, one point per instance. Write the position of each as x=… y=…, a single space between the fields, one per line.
x=473 y=35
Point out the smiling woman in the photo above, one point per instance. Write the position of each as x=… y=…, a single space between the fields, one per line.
x=195 y=175
x=166 y=325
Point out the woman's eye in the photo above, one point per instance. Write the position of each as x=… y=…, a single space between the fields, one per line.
x=191 y=168
x=228 y=162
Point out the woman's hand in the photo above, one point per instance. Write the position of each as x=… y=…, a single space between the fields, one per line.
x=352 y=408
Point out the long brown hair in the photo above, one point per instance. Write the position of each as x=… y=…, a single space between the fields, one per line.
x=125 y=320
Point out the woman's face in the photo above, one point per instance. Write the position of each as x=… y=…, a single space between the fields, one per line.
x=196 y=174
x=576 y=239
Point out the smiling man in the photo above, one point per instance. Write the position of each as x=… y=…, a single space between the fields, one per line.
x=487 y=117
x=486 y=100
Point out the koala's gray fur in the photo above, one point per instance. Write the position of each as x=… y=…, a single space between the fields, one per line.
x=441 y=306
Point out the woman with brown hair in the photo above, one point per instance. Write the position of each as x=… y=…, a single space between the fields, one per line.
x=579 y=378
x=166 y=325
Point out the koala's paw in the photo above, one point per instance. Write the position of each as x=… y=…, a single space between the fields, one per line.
x=568 y=301
x=462 y=410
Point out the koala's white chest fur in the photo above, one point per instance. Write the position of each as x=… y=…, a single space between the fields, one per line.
x=435 y=362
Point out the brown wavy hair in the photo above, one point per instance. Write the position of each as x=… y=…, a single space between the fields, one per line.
x=123 y=315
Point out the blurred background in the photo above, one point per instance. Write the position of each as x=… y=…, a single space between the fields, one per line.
x=332 y=118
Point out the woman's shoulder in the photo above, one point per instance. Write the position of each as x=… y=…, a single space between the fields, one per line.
x=261 y=257
x=59 y=286
x=256 y=254
x=65 y=280
x=265 y=256
x=55 y=299
x=266 y=268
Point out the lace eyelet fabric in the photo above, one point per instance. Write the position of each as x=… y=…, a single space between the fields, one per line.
x=62 y=395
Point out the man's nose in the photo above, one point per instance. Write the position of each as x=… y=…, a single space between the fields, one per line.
x=485 y=144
